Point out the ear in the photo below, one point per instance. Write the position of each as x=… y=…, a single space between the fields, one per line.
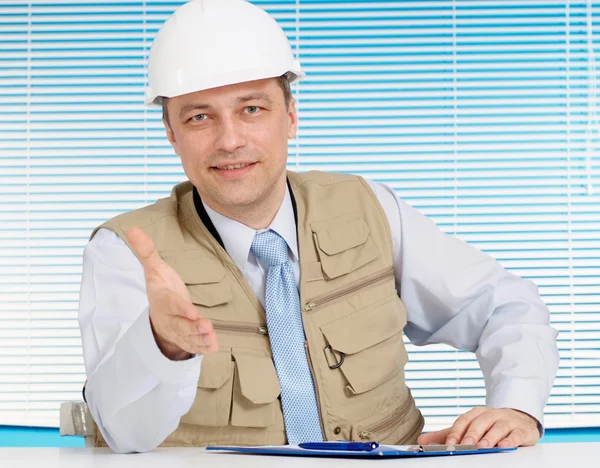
x=293 y=119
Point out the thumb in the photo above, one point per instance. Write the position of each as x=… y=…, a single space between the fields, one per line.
x=437 y=437
x=143 y=247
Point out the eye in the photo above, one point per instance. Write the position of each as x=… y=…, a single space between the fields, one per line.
x=199 y=117
x=252 y=109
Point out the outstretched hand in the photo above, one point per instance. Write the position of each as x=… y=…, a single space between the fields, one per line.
x=179 y=329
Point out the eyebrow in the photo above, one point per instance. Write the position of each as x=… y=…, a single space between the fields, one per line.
x=248 y=97
x=192 y=106
x=255 y=97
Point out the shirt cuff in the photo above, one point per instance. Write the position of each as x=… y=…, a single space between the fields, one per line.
x=141 y=342
x=521 y=395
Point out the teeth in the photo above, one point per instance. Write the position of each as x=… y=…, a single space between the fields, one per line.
x=234 y=166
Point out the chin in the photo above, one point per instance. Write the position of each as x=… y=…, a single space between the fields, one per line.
x=239 y=200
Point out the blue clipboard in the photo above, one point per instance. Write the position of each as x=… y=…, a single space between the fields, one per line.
x=361 y=450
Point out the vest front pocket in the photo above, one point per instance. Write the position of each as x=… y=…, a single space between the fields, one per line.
x=255 y=391
x=212 y=404
x=367 y=345
x=343 y=244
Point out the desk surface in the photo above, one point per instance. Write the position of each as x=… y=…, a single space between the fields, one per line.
x=580 y=455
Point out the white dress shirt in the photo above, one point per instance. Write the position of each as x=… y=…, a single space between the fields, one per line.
x=454 y=294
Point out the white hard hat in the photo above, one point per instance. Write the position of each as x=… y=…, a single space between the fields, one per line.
x=210 y=43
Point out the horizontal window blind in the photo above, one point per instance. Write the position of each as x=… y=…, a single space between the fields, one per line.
x=482 y=114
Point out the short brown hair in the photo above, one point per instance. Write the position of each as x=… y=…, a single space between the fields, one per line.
x=283 y=81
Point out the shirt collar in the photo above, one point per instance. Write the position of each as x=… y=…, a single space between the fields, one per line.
x=237 y=237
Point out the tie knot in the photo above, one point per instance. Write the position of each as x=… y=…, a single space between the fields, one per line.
x=270 y=248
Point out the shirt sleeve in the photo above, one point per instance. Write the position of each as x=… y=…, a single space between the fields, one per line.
x=457 y=295
x=135 y=394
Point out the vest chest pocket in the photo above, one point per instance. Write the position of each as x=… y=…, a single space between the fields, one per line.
x=367 y=346
x=343 y=244
x=203 y=276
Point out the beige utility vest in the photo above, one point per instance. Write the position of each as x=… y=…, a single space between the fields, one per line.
x=353 y=319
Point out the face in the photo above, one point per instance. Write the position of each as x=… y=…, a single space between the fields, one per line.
x=233 y=142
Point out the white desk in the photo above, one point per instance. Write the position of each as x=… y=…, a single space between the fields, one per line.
x=580 y=455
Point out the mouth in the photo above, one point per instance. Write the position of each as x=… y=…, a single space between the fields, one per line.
x=233 y=167
x=234 y=171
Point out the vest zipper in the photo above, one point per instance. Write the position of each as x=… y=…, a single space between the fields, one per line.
x=310 y=366
x=240 y=327
x=386 y=423
x=414 y=433
x=338 y=294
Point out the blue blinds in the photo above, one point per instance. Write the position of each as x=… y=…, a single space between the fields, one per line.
x=482 y=114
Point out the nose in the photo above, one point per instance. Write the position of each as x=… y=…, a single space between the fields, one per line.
x=230 y=136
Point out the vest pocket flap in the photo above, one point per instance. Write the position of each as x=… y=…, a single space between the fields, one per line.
x=216 y=369
x=372 y=346
x=212 y=404
x=348 y=231
x=210 y=295
x=344 y=244
x=364 y=328
x=258 y=379
x=194 y=266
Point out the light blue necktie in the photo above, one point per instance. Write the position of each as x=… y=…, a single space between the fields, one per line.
x=286 y=333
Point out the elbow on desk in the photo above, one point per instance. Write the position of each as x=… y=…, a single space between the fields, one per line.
x=125 y=433
x=122 y=437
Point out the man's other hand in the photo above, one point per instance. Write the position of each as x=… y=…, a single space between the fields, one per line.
x=488 y=427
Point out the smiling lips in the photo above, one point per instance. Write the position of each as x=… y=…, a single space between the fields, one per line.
x=229 y=167
x=234 y=171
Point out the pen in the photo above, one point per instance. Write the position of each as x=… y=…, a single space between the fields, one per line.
x=348 y=446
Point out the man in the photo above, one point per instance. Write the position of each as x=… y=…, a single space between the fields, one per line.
x=259 y=306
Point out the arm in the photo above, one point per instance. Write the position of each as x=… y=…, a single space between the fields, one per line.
x=135 y=394
x=457 y=295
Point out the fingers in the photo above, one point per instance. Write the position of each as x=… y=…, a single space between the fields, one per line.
x=143 y=247
x=460 y=426
x=526 y=432
x=178 y=306
x=437 y=437
x=194 y=336
x=519 y=437
x=479 y=426
x=209 y=344
x=163 y=283
x=497 y=432
x=488 y=427
x=201 y=337
x=182 y=326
